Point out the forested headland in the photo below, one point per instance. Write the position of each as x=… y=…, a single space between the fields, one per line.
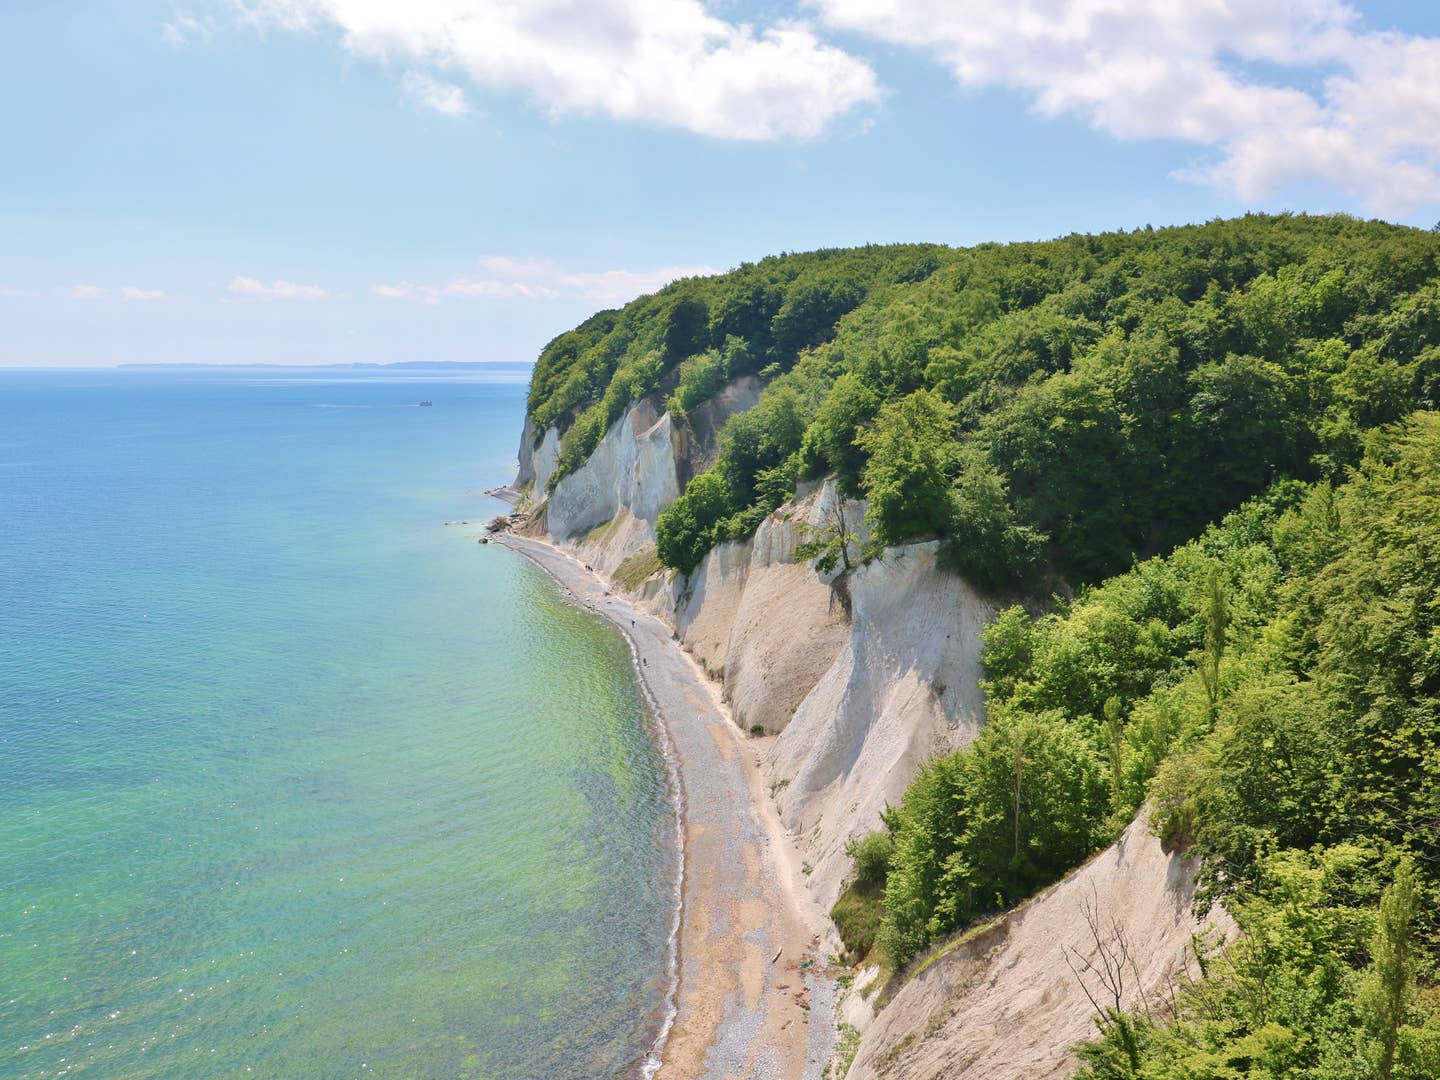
x=1204 y=465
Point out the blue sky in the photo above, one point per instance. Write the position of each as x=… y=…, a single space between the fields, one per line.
x=312 y=181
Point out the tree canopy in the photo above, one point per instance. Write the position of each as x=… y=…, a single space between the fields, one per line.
x=1081 y=402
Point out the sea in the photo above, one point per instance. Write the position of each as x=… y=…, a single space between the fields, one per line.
x=297 y=779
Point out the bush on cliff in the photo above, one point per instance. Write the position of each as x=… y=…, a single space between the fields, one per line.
x=984 y=827
x=760 y=316
x=861 y=907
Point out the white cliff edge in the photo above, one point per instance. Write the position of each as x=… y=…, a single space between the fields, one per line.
x=860 y=676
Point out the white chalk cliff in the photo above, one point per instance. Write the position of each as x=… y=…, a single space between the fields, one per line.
x=861 y=677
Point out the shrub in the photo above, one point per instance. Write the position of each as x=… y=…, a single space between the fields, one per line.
x=858 y=914
x=871 y=856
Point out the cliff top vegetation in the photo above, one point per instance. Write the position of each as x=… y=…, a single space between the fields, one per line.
x=1051 y=408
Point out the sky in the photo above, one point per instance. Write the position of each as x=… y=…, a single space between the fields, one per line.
x=333 y=181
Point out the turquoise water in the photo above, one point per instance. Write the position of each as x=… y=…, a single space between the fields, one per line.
x=295 y=780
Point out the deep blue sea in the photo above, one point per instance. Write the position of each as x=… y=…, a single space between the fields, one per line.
x=297 y=780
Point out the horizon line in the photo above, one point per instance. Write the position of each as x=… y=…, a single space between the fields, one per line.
x=351 y=365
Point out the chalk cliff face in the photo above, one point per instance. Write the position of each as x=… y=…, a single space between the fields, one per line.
x=633 y=469
x=864 y=675
x=766 y=626
x=639 y=467
x=862 y=697
x=903 y=689
x=537 y=462
x=1009 y=1002
x=861 y=675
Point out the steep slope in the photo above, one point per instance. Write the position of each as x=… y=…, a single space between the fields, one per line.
x=1010 y=1000
x=903 y=689
x=538 y=457
x=864 y=676
x=763 y=625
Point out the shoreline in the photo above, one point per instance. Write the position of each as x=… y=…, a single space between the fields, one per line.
x=655 y=1054
x=749 y=995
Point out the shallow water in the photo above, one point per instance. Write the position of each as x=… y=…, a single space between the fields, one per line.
x=295 y=780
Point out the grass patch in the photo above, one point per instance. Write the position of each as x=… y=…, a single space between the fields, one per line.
x=637 y=567
x=861 y=907
x=884 y=1062
x=598 y=532
x=846 y=1047
x=959 y=939
x=857 y=916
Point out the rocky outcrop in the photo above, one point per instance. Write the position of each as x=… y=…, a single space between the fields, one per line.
x=1010 y=1000
x=700 y=436
x=864 y=674
x=538 y=458
x=765 y=626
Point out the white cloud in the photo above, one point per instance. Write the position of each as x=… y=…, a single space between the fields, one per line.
x=129 y=292
x=183 y=28
x=620 y=286
x=442 y=97
x=665 y=62
x=464 y=286
x=505 y=278
x=498 y=289
x=405 y=290
x=605 y=286
x=244 y=288
x=97 y=292
x=1352 y=108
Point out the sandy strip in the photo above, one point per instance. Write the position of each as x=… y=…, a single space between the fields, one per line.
x=740 y=1011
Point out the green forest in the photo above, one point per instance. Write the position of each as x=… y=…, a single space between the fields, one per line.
x=1054 y=408
x=1202 y=465
x=1272 y=690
